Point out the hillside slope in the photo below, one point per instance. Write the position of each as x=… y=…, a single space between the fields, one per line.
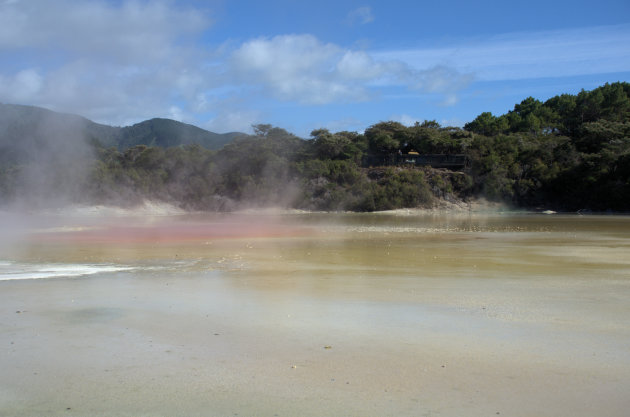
x=167 y=133
x=28 y=130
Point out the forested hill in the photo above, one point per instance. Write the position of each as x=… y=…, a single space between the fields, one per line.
x=24 y=129
x=569 y=153
x=166 y=133
x=590 y=118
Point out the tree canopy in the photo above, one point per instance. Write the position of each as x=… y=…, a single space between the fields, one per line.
x=571 y=152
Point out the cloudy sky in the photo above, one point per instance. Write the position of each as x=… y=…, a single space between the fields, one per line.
x=341 y=64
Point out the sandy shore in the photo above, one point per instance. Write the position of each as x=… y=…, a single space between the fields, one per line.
x=158 y=346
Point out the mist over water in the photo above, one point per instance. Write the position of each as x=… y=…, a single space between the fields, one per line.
x=269 y=313
x=53 y=161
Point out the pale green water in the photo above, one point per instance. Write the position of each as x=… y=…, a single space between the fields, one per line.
x=441 y=315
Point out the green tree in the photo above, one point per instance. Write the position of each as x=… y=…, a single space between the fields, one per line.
x=386 y=137
x=487 y=124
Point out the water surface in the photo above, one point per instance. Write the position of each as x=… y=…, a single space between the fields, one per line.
x=316 y=314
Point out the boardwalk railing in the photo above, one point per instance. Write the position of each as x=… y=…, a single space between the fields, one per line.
x=450 y=161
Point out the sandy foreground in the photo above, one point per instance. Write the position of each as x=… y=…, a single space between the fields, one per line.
x=366 y=317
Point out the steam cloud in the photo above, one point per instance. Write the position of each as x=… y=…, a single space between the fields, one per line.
x=53 y=162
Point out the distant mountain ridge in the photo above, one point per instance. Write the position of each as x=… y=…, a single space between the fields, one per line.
x=24 y=128
x=167 y=133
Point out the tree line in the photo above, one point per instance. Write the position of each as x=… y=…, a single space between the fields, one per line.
x=571 y=152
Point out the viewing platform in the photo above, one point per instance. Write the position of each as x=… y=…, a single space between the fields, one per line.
x=449 y=161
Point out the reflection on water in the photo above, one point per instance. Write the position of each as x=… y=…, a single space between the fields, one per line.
x=381 y=243
x=420 y=314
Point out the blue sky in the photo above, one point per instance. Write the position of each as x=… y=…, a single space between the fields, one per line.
x=343 y=65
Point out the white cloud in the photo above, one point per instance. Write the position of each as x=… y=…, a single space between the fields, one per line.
x=295 y=68
x=362 y=15
x=112 y=62
x=287 y=54
x=125 y=61
x=176 y=113
x=359 y=65
x=404 y=119
x=233 y=121
x=350 y=124
x=450 y=100
x=131 y=32
x=440 y=79
x=22 y=86
x=559 y=53
x=303 y=69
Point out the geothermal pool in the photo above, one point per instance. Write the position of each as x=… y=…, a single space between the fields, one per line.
x=305 y=314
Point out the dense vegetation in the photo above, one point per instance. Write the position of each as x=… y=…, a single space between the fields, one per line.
x=571 y=152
